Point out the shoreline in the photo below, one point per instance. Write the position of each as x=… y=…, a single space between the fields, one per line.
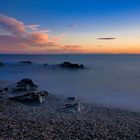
x=19 y=121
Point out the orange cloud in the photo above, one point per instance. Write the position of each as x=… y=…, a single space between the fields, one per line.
x=19 y=37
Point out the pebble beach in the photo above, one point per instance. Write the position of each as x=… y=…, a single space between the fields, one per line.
x=46 y=122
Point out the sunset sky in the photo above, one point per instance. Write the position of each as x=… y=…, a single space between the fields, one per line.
x=70 y=26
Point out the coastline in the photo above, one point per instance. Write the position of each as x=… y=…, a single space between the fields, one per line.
x=19 y=121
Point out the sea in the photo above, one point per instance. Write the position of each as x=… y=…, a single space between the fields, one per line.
x=108 y=79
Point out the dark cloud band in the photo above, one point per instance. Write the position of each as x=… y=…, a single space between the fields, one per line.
x=106 y=38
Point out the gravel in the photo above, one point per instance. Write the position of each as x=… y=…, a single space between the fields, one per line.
x=46 y=122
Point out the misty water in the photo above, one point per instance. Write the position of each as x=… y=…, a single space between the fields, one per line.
x=110 y=80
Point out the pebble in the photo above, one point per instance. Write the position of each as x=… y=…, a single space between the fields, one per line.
x=19 y=121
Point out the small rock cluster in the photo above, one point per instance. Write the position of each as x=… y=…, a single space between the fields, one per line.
x=24 y=90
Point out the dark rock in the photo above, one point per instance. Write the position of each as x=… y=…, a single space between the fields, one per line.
x=25 y=62
x=45 y=64
x=71 y=107
x=71 y=65
x=1 y=90
x=71 y=99
x=26 y=84
x=25 y=90
x=5 y=89
x=21 y=86
x=31 y=97
x=1 y=64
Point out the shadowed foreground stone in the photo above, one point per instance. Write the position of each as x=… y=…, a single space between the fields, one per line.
x=25 y=91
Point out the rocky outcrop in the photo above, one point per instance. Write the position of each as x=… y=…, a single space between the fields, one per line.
x=25 y=62
x=25 y=90
x=71 y=65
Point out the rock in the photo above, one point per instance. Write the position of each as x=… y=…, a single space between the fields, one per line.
x=25 y=62
x=25 y=90
x=45 y=64
x=71 y=105
x=32 y=96
x=71 y=99
x=26 y=83
x=71 y=65
x=1 y=64
x=21 y=86
x=1 y=90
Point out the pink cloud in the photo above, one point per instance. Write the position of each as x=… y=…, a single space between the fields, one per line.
x=22 y=38
x=11 y=25
x=18 y=34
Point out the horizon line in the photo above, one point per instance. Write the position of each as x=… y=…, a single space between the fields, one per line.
x=69 y=53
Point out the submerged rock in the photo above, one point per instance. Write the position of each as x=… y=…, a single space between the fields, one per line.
x=45 y=64
x=25 y=90
x=71 y=65
x=25 y=62
x=1 y=64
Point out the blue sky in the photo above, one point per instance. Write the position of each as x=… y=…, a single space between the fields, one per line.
x=89 y=19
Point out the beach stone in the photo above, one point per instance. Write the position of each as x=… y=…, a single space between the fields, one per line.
x=21 y=86
x=32 y=96
x=72 y=99
x=71 y=65
x=69 y=108
x=71 y=105
x=25 y=90
x=1 y=90
x=26 y=83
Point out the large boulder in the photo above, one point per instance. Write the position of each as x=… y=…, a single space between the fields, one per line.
x=71 y=65
x=25 y=90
